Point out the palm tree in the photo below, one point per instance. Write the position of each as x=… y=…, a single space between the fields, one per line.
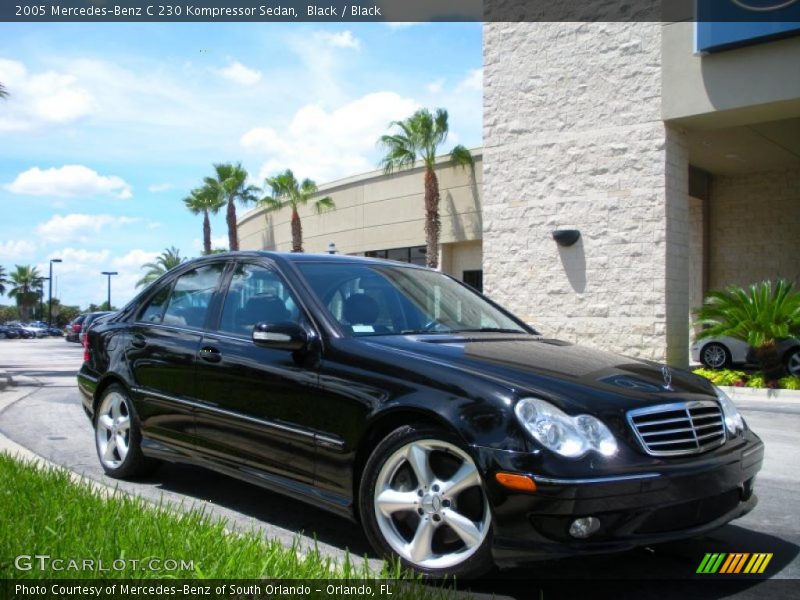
x=26 y=280
x=287 y=191
x=419 y=137
x=229 y=184
x=3 y=91
x=203 y=200
x=168 y=259
x=761 y=315
x=3 y=280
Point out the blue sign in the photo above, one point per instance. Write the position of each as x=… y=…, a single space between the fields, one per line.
x=725 y=24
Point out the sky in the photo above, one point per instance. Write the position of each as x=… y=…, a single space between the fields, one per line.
x=109 y=126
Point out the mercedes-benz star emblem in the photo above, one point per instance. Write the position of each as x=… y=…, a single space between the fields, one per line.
x=667 y=373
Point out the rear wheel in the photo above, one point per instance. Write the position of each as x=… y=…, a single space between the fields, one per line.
x=422 y=500
x=715 y=356
x=117 y=436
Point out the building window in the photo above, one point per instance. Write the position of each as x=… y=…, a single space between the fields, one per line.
x=473 y=279
x=414 y=255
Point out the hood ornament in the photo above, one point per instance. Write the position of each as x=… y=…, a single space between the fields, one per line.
x=667 y=373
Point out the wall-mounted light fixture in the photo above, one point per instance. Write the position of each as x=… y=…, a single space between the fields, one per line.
x=331 y=248
x=566 y=237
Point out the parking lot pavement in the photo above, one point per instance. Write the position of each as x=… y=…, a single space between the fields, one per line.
x=49 y=421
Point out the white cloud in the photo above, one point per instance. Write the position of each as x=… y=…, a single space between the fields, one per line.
x=68 y=181
x=325 y=144
x=401 y=24
x=157 y=188
x=473 y=81
x=11 y=250
x=78 y=279
x=435 y=87
x=238 y=73
x=341 y=39
x=37 y=99
x=79 y=227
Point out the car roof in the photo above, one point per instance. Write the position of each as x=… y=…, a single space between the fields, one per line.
x=302 y=257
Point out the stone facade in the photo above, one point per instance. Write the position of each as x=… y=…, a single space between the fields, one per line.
x=573 y=139
x=754 y=228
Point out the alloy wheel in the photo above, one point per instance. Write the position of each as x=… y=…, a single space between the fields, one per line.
x=113 y=430
x=430 y=504
x=793 y=364
x=714 y=356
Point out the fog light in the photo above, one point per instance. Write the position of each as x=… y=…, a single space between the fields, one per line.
x=584 y=527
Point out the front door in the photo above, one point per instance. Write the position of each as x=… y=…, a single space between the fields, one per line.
x=256 y=402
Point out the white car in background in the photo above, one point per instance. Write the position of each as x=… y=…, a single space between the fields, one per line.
x=723 y=352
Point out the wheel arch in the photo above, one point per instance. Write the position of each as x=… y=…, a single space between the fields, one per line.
x=103 y=384
x=381 y=426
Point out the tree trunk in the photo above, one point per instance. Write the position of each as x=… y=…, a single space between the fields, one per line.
x=206 y=233
x=432 y=222
x=770 y=361
x=297 y=232
x=233 y=238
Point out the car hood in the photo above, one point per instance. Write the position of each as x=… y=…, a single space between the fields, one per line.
x=531 y=364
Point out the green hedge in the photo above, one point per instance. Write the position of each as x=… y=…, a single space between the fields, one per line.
x=735 y=378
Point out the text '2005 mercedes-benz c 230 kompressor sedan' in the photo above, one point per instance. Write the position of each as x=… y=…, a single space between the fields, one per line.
x=400 y=398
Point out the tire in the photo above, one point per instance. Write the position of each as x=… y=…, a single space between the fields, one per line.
x=117 y=436
x=409 y=513
x=792 y=362
x=715 y=356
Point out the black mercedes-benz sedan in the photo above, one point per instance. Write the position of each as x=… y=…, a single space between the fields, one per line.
x=400 y=398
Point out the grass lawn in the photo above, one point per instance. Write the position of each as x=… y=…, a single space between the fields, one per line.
x=45 y=512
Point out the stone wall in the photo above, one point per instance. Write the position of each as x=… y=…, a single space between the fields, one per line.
x=573 y=138
x=754 y=228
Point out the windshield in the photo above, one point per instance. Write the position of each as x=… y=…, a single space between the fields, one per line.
x=394 y=300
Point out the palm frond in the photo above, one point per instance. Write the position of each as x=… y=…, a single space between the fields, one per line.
x=324 y=204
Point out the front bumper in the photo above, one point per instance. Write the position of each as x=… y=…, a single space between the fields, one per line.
x=663 y=501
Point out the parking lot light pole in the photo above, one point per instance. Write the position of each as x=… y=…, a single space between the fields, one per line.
x=50 y=292
x=109 y=274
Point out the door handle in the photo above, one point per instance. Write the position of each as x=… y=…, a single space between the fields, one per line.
x=138 y=341
x=210 y=354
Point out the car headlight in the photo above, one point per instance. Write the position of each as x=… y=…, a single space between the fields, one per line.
x=734 y=422
x=565 y=435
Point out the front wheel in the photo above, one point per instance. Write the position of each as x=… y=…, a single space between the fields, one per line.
x=117 y=436
x=422 y=500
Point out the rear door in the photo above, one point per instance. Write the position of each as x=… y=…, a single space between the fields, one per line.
x=257 y=402
x=162 y=350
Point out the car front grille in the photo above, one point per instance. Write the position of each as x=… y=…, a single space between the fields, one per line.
x=679 y=428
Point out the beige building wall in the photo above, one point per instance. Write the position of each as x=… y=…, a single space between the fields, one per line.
x=749 y=84
x=375 y=211
x=573 y=139
x=754 y=228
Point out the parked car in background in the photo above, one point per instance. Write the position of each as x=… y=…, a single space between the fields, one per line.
x=404 y=400
x=38 y=328
x=6 y=333
x=73 y=330
x=724 y=352
x=19 y=331
x=90 y=319
x=55 y=332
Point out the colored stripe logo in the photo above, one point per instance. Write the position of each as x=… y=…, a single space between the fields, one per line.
x=734 y=563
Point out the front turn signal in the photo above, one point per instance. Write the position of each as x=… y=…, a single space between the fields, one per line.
x=512 y=481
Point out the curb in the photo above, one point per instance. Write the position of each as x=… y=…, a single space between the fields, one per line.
x=760 y=394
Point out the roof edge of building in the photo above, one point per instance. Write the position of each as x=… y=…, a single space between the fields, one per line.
x=331 y=186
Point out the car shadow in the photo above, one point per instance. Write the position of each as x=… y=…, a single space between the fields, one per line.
x=263 y=505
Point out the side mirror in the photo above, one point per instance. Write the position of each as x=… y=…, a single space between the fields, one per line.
x=283 y=335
